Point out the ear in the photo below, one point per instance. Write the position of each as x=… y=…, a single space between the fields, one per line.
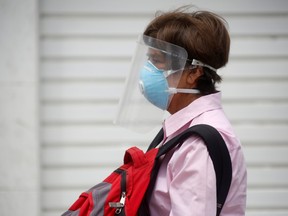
x=194 y=75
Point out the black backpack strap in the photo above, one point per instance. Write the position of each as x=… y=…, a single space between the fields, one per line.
x=158 y=138
x=218 y=152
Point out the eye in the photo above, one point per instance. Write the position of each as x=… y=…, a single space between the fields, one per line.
x=155 y=60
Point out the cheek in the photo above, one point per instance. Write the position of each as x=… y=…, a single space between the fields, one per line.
x=173 y=80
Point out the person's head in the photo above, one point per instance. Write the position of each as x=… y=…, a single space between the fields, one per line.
x=203 y=35
x=174 y=63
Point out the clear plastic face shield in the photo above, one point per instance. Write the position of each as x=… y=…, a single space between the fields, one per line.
x=155 y=72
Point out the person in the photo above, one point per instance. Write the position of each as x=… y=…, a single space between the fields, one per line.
x=183 y=51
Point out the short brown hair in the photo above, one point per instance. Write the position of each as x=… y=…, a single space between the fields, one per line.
x=202 y=33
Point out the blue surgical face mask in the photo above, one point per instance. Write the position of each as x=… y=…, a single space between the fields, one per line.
x=154 y=86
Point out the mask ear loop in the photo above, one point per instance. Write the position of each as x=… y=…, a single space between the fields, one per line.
x=180 y=90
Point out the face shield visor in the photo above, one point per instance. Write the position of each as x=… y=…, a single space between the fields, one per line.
x=155 y=72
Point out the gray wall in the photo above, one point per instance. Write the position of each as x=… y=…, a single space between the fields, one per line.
x=19 y=154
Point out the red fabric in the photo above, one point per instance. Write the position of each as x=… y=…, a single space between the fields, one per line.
x=78 y=203
x=84 y=204
x=139 y=180
x=138 y=166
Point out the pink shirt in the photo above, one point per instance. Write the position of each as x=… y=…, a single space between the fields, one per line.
x=186 y=182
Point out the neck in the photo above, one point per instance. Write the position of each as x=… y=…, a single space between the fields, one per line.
x=181 y=100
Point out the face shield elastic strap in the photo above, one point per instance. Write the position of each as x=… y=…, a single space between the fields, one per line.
x=199 y=63
x=195 y=62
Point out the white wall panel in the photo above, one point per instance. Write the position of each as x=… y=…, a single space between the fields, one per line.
x=86 y=47
x=245 y=69
x=133 y=7
x=97 y=134
x=93 y=25
x=82 y=91
x=99 y=26
x=84 y=69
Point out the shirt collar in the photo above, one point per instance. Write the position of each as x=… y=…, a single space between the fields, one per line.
x=203 y=104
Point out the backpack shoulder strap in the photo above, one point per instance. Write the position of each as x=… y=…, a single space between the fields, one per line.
x=158 y=138
x=218 y=152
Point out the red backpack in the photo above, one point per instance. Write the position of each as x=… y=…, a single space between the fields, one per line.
x=125 y=191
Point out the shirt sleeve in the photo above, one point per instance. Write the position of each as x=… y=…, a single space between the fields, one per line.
x=192 y=178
